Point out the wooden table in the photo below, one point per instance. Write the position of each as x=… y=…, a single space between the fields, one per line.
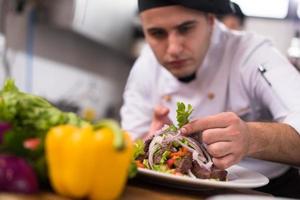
x=138 y=189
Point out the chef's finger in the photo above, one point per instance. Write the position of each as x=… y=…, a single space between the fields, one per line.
x=221 y=120
x=224 y=162
x=219 y=149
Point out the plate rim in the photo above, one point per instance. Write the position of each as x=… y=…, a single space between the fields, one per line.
x=188 y=181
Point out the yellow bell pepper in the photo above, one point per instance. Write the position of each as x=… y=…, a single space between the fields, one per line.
x=91 y=161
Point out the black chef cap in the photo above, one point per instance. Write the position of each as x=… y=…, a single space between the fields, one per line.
x=213 y=6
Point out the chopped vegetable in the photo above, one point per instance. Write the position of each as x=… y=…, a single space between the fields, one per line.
x=170 y=163
x=29 y=118
x=139 y=164
x=32 y=143
x=164 y=157
x=89 y=161
x=16 y=175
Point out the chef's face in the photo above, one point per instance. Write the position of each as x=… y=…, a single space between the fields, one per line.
x=178 y=36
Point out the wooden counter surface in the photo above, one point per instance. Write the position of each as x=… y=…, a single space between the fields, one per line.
x=138 y=189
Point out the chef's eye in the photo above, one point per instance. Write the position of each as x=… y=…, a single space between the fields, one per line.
x=185 y=28
x=158 y=33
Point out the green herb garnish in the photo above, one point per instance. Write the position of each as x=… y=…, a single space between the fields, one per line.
x=183 y=113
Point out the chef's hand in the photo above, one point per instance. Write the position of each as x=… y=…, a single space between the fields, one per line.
x=226 y=135
x=159 y=119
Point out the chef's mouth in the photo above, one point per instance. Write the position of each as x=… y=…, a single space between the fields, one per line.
x=178 y=63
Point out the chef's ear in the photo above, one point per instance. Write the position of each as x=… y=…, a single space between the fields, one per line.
x=211 y=18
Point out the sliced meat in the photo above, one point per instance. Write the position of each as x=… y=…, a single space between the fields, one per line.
x=219 y=174
x=184 y=164
x=200 y=172
x=207 y=174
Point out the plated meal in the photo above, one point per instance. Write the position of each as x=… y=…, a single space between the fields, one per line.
x=170 y=152
x=171 y=159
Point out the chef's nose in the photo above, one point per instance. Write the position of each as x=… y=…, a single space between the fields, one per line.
x=175 y=45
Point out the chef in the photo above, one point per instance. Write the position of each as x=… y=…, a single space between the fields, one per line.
x=234 y=20
x=245 y=94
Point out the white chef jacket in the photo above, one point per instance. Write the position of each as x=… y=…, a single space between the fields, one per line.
x=228 y=80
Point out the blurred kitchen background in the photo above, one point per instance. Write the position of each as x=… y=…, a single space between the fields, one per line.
x=78 y=53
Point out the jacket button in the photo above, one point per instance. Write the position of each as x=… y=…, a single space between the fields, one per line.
x=167 y=98
x=210 y=96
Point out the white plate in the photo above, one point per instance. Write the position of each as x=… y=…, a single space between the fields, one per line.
x=245 y=197
x=238 y=177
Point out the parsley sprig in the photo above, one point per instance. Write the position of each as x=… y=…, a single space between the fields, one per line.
x=183 y=114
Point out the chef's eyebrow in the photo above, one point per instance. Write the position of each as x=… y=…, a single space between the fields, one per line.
x=186 y=23
x=182 y=25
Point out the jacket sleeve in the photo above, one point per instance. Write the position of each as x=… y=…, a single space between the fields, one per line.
x=278 y=88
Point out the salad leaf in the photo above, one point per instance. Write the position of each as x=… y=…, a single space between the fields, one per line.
x=162 y=168
x=138 y=148
x=146 y=163
x=132 y=171
x=183 y=113
x=164 y=157
x=4 y=127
